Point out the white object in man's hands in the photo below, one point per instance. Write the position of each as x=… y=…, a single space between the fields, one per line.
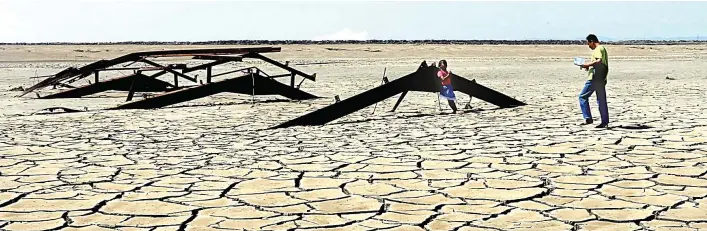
x=578 y=61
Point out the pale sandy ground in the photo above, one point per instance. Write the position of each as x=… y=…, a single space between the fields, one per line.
x=212 y=167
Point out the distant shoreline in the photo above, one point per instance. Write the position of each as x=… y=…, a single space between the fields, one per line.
x=382 y=42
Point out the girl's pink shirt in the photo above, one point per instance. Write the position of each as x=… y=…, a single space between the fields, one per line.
x=442 y=73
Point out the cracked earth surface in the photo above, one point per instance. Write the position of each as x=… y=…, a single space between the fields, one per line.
x=216 y=168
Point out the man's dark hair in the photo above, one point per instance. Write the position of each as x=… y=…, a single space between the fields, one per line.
x=592 y=38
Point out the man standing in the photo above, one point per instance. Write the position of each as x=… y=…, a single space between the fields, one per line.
x=598 y=69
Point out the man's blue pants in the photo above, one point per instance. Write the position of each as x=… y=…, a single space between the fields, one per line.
x=589 y=88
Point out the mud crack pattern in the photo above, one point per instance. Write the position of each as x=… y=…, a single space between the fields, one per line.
x=212 y=168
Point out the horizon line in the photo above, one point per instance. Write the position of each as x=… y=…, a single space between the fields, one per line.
x=373 y=41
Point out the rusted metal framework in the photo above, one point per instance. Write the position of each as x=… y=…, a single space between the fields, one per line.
x=422 y=80
x=138 y=81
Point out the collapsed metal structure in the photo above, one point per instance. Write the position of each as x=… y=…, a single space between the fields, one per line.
x=422 y=80
x=253 y=81
x=138 y=81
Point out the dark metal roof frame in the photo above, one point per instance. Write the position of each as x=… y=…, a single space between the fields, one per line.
x=73 y=74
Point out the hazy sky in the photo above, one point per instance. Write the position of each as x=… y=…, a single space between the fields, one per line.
x=164 y=20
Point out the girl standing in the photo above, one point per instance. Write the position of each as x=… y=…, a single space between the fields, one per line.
x=447 y=91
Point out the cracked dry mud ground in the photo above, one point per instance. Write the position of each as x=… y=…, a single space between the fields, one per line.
x=528 y=168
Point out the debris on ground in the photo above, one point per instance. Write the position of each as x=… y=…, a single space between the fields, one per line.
x=20 y=88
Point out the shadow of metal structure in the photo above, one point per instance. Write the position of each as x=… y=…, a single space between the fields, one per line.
x=138 y=81
x=423 y=80
x=252 y=83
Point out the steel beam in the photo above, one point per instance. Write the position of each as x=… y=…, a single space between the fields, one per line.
x=219 y=58
x=292 y=80
x=280 y=65
x=231 y=72
x=206 y=66
x=176 y=67
x=208 y=74
x=158 y=74
x=280 y=76
x=65 y=85
x=170 y=71
x=131 y=92
x=400 y=100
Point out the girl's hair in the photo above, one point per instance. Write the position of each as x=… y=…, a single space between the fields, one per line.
x=443 y=61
